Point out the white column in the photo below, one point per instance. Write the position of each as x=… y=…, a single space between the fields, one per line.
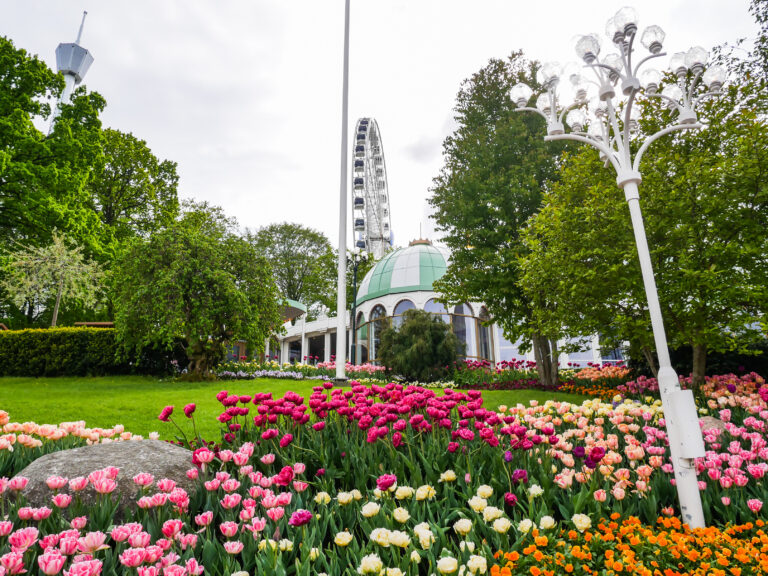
x=327 y=346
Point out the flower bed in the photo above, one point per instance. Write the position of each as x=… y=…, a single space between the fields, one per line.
x=399 y=480
x=627 y=546
x=245 y=370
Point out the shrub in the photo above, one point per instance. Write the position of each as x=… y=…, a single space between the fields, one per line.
x=74 y=352
x=423 y=348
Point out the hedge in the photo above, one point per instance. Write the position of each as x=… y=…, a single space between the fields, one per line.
x=75 y=352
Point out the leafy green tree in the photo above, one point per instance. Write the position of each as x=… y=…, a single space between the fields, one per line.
x=36 y=276
x=496 y=168
x=303 y=263
x=132 y=191
x=43 y=177
x=198 y=280
x=422 y=348
x=705 y=202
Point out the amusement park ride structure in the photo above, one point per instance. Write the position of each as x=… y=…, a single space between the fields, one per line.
x=370 y=196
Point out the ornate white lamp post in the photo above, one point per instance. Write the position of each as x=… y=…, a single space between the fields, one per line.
x=608 y=123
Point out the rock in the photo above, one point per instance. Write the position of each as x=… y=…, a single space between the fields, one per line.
x=158 y=458
x=710 y=422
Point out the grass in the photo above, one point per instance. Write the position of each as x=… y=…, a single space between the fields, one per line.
x=135 y=401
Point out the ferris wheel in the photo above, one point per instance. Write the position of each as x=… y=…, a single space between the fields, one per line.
x=370 y=196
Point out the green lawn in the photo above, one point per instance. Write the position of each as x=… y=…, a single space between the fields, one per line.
x=135 y=401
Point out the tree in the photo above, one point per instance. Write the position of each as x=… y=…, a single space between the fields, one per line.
x=199 y=281
x=43 y=177
x=705 y=202
x=37 y=275
x=422 y=348
x=133 y=192
x=303 y=262
x=496 y=169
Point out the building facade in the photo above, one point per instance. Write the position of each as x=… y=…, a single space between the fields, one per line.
x=402 y=280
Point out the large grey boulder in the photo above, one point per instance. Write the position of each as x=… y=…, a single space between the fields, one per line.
x=158 y=458
x=710 y=422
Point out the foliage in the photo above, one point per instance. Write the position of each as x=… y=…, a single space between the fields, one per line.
x=197 y=280
x=132 y=191
x=40 y=276
x=59 y=352
x=364 y=264
x=706 y=204
x=423 y=348
x=78 y=351
x=497 y=166
x=43 y=178
x=303 y=263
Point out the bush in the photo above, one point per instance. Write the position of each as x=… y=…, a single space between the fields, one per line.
x=423 y=348
x=74 y=352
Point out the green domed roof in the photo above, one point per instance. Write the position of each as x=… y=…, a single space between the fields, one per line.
x=404 y=270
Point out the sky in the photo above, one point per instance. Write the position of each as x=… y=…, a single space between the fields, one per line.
x=245 y=95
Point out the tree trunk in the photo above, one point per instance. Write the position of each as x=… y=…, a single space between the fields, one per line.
x=545 y=353
x=554 y=361
x=651 y=359
x=58 y=301
x=699 y=364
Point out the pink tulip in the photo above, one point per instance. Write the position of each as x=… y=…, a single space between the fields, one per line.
x=62 y=500
x=133 y=557
x=172 y=527
x=204 y=519
x=77 y=484
x=56 y=482
x=42 y=513
x=600 y=495
x=84 y=568
x=725 y=500
x=166 y=485
x=25 y=513
x=6 y=527
x=276 y=513
x=13 y=562
x=194 y=568
x=18 y=483
x=23 y=538
x=189 y=409
x=300 y=518
x=68 y=546
x=139 y=539
x=228 y=529
x=233 y=547
x=755 y=505
x=165 y=414
x=193 y=473
x=148 y=571
x=104 y=485
x=92 y=542
x=231 y=501
x=51 y=563
x=143 y=479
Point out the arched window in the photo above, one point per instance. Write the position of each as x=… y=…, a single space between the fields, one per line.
x=401 y=307
x=378 y=323
x=434 y=307
x=361 y=339
x=464 y=329
x=484 y=335
x=463 y=309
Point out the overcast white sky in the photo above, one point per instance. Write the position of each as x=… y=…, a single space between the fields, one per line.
x=246 y=94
